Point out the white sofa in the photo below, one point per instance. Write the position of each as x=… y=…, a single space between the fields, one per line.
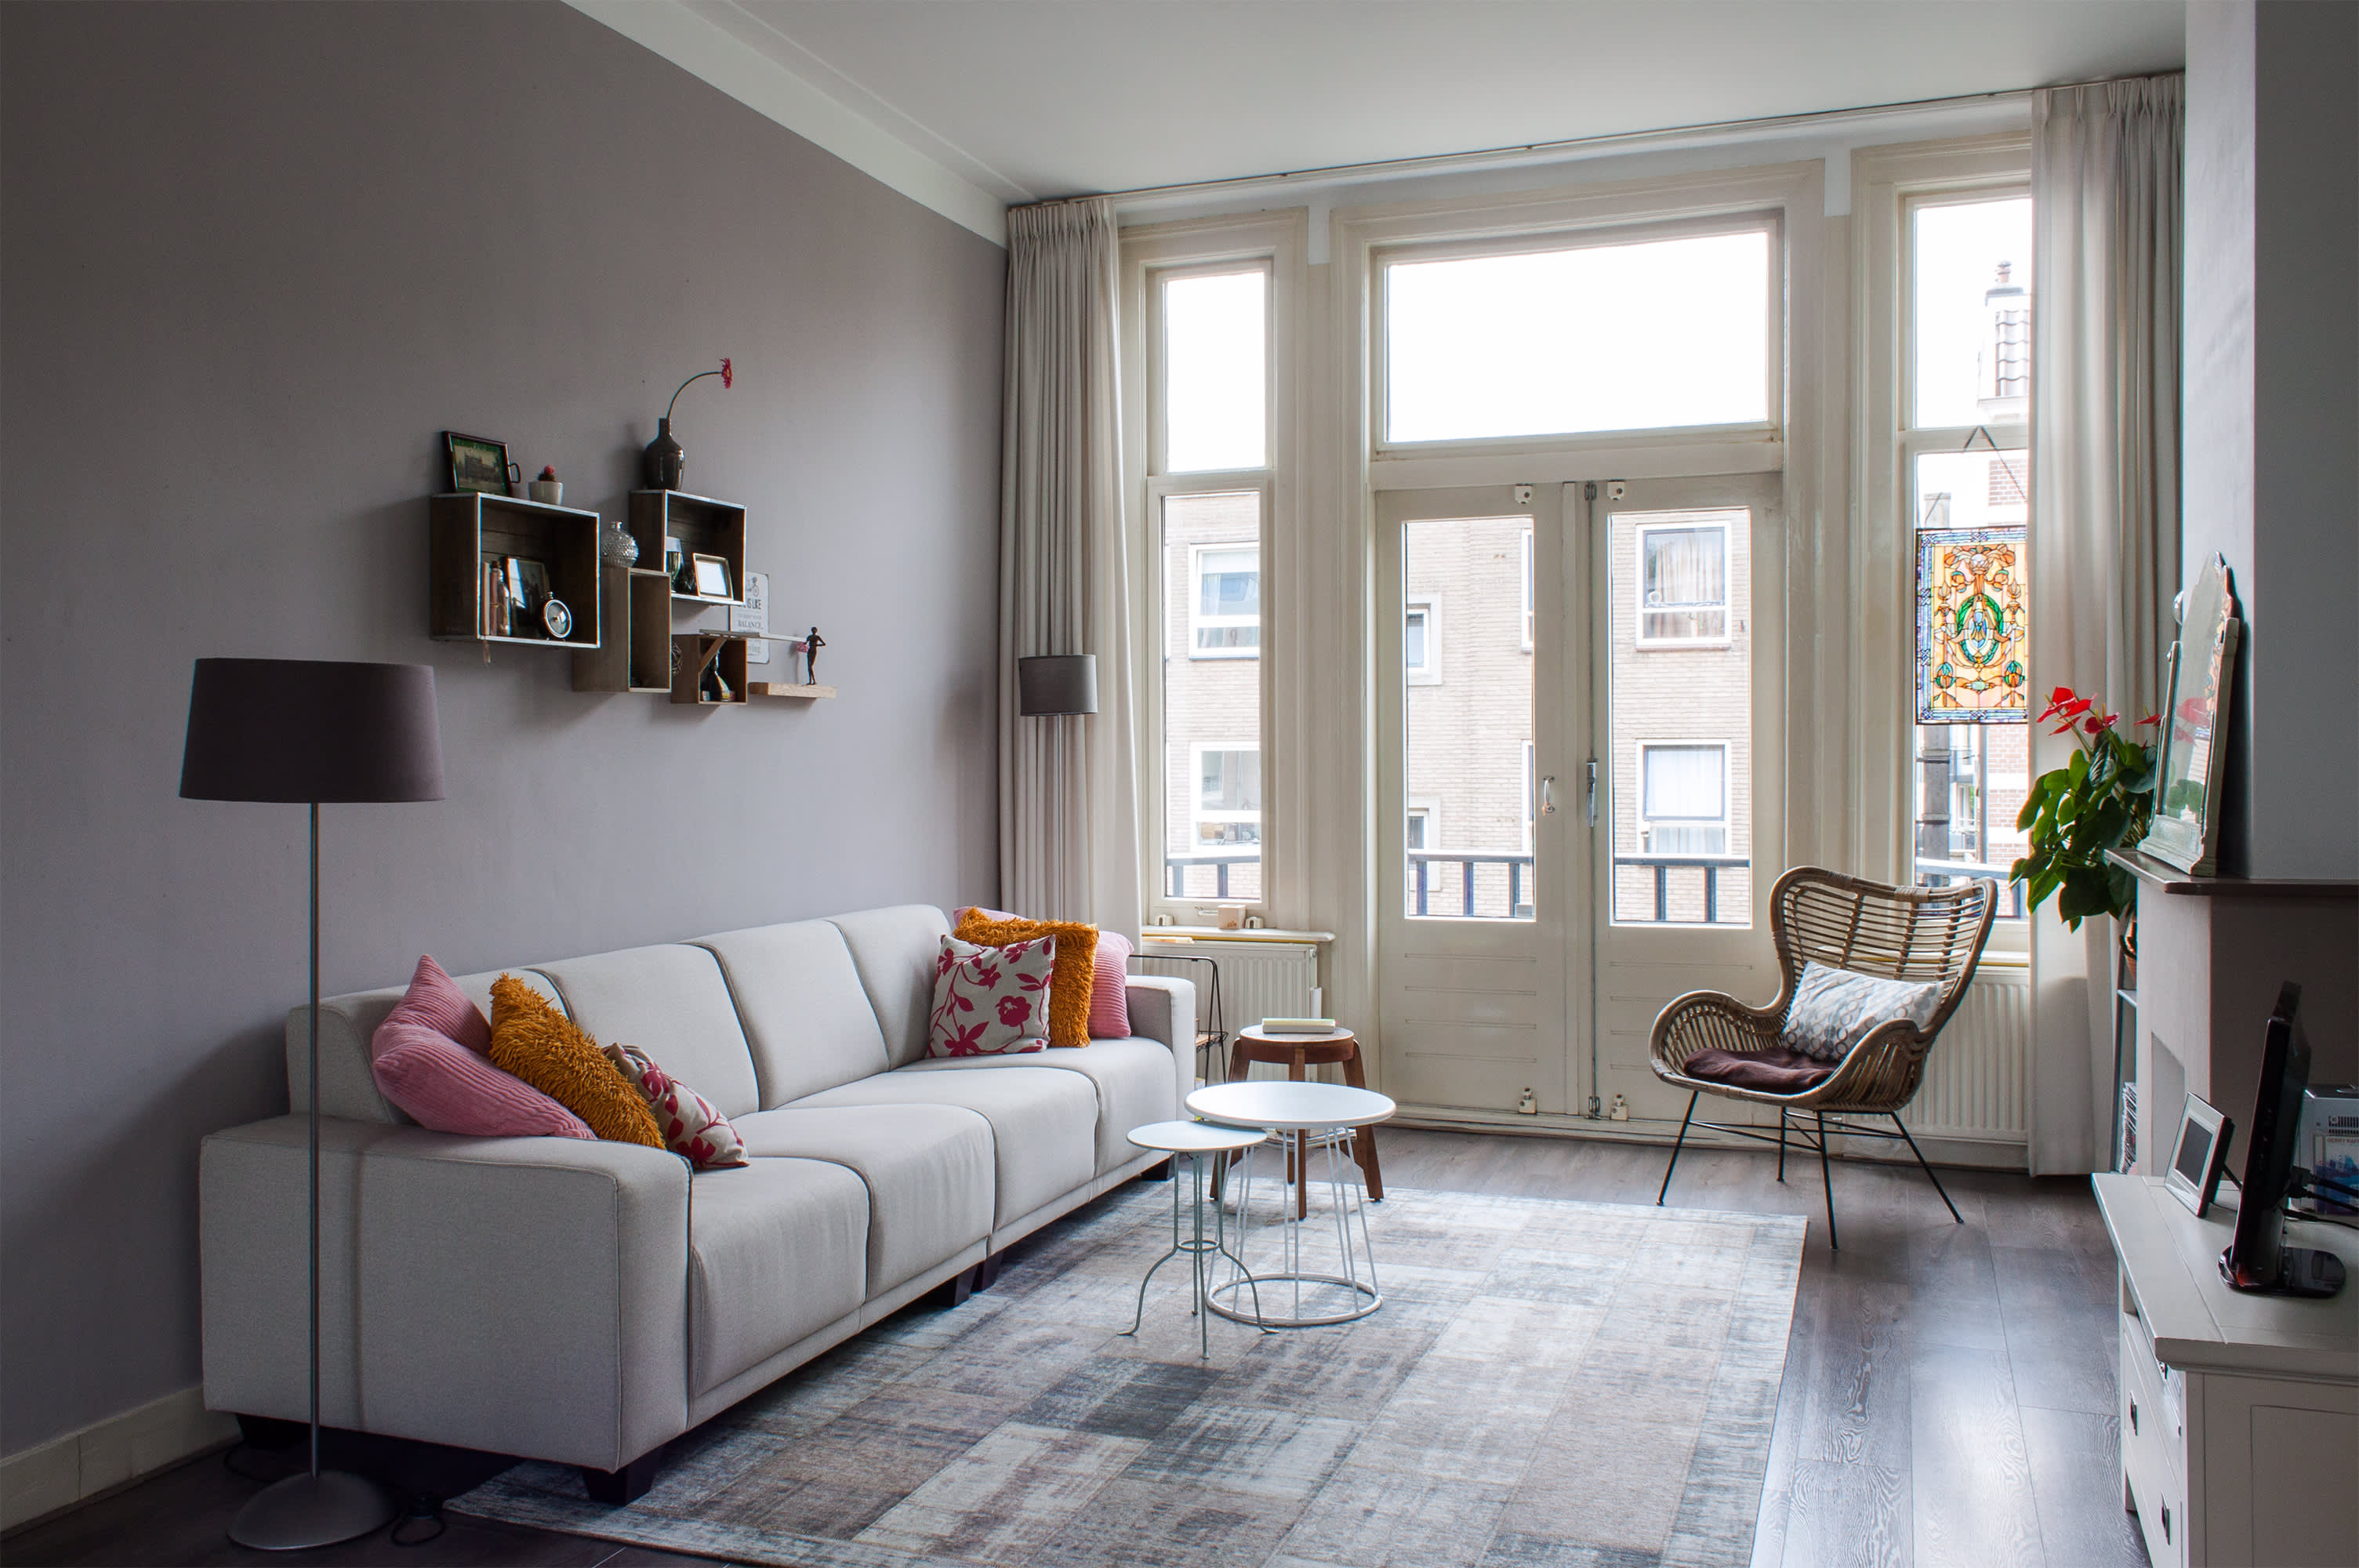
x=585 y=1302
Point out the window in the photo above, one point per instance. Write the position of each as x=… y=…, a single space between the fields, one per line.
x=1423 y=828
x=1965 y=394
x=1683 y=585
x=1421 y=641
x=1215 y=371
x=1683 y=798
x=1477 y=346
x=1227 y=614
x=1228 y=798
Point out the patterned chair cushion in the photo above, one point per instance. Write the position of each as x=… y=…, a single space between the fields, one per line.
x=1834 y=1009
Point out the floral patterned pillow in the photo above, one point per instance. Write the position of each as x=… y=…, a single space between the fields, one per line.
x=692 y=1129
x=991 y=1001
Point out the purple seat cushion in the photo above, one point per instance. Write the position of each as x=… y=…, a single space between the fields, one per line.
x=1773 y=1072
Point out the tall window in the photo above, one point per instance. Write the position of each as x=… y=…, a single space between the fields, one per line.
x=1208 y=498
x=1964 y=397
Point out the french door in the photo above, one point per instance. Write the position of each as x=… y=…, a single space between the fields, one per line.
x=1579 y=759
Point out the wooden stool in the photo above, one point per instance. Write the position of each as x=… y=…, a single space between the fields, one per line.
x=1296 y=1054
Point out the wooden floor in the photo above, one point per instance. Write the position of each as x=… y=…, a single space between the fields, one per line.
x=1949 y=1394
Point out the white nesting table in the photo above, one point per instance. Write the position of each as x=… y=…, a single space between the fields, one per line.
x=1322 y=1109
x=1196 y=1140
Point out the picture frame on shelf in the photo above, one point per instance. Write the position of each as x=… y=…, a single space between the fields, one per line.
x=476 y=463
x=529 y=589
x=2185 y=830
x=2200 y=1155
x=709 y=577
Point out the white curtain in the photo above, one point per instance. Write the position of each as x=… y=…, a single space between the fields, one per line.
x=1067 y=794
x=2106 y=199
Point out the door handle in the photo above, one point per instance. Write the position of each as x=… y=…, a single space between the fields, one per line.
x=1547 y=796
x=1592 y=791
x=2134 y=1424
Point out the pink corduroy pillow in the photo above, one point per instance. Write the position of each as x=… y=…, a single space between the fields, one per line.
x=1110 y=993
x=425 y=1058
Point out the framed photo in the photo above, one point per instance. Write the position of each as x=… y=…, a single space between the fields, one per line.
x=2185 y=832
x=476 y=463
x=2199 y=1156
x=528 y=585
x=710 y=576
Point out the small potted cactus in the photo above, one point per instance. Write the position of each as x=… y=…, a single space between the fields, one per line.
x=546 y=489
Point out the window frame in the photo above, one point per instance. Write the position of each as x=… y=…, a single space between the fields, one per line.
x=1531 y=601
x=1159 y=422
x=1200 y=620
x=1639 y=639
x=1725 y=823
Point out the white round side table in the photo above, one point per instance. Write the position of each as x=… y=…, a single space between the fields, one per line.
x=1318 y=1109
x=1198 y=1141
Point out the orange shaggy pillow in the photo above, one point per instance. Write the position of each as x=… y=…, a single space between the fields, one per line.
x=1072 y=982
x=540 y=1045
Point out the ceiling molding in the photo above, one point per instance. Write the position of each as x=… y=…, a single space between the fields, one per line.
x=714 y=55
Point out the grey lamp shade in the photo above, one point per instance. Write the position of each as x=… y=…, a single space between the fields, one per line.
x=311 y=730
x=1057 y=683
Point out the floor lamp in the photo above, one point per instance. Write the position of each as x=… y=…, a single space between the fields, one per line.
x=1057 y=685
x=312 y=731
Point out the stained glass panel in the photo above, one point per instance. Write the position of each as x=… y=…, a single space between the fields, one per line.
x=1972 y=630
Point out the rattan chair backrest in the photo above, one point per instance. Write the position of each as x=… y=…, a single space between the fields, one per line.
x=1897 y=934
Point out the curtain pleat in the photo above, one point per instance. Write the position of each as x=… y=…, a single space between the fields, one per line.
x=2106 y=191
x=1068 y=795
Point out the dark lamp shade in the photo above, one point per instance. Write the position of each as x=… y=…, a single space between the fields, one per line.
x=1057 y=683
x=311 y=730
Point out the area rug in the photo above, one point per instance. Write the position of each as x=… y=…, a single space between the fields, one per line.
x=1548 y=1384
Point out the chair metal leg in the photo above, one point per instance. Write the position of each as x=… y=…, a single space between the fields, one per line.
x=1826 y=1175
x=1677 y=1147
x=1781 y=1143
x=1927 y=1169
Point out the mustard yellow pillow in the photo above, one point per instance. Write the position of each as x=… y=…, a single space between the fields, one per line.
x=540 y=1045
x=1069 y=984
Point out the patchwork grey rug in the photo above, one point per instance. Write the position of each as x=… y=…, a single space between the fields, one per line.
x=1548 y=1385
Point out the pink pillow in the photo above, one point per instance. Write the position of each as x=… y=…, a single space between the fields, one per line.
x=1110 y=995
x=420 y=1058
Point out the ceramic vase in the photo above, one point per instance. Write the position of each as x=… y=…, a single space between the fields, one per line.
x=665 y=458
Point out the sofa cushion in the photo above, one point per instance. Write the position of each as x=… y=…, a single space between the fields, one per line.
x=556 y=1056
x=1110 y=996
x=927 y=1168
x=1077 y=967
x=807 y=1018
x=777 y=1251
x=1132 y=1079
x=1043 y=1124
x=894 y=950
x=990 y=1001
x=692 y=1129
x=348 y=1086
x=445 y=1087
x=671 y=1002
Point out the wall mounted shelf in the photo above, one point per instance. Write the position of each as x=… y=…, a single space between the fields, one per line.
x=636 y=657
x=702 y=526
x=699 y=651
x=777 y=689
x=469 y=530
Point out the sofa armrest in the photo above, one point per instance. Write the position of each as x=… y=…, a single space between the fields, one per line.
x=523 y=1296
x=1163 y=1007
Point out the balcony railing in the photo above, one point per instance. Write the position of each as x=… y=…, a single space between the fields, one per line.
x=1941 y=873
x=1424 y=882
x=1176 y=868
x=1711 y=866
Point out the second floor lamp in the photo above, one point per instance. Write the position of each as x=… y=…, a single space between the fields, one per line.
x=1057 y=685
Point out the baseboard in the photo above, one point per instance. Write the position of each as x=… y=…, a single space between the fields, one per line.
x=1978 y=1153
x=107 y=1454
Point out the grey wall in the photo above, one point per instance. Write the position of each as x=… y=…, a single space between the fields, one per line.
x=256 y=258
x=2272 y=409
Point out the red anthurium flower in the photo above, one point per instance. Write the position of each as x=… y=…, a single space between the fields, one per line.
x=728 y=376
x=2095 y=725
x=2056 y=700
x=2151 y=718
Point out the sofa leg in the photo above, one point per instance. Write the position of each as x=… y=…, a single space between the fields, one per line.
x=1158 y=1171
x=987 y=1273
x=269 y=1432
x=628 y=1484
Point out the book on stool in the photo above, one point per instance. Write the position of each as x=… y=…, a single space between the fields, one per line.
x=1298 y=1026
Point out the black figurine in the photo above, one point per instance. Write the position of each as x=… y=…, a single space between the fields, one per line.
x=810 y=657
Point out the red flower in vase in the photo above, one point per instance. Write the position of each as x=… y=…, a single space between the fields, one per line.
x=728 y=375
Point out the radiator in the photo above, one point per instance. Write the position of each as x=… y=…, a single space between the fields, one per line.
x=1258 y=979
x=1977 y=1079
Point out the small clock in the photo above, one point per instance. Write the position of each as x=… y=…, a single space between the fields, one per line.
x=557 y=618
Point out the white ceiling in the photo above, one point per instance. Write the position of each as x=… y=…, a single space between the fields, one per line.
x=1031 y=98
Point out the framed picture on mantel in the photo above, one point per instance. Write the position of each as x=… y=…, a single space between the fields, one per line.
x=2185 y=832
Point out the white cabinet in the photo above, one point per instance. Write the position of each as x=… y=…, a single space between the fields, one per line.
x=2239 y=1414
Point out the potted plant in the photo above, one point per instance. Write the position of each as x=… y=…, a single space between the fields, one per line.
x=2100 y=800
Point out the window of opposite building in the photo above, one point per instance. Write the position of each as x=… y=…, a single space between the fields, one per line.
x=1225 y=612
x=1421 y=640
x=1228 y=796
x=1682 y=583
x=1683 y=798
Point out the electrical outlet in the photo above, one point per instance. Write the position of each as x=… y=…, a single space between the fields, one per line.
x=1523 y=495
x=1528 y=1104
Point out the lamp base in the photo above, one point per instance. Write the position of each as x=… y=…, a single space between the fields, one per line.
x=311 y=1510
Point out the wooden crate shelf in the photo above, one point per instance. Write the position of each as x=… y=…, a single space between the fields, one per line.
x=468 y=528
x=702 y=526
x=780 y=689
x=700 y=649
x=636 y=656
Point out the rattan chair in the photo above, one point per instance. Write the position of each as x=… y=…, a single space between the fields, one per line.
x=1844 y=923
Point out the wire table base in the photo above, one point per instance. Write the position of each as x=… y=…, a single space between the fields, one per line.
x=1357 y=1254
